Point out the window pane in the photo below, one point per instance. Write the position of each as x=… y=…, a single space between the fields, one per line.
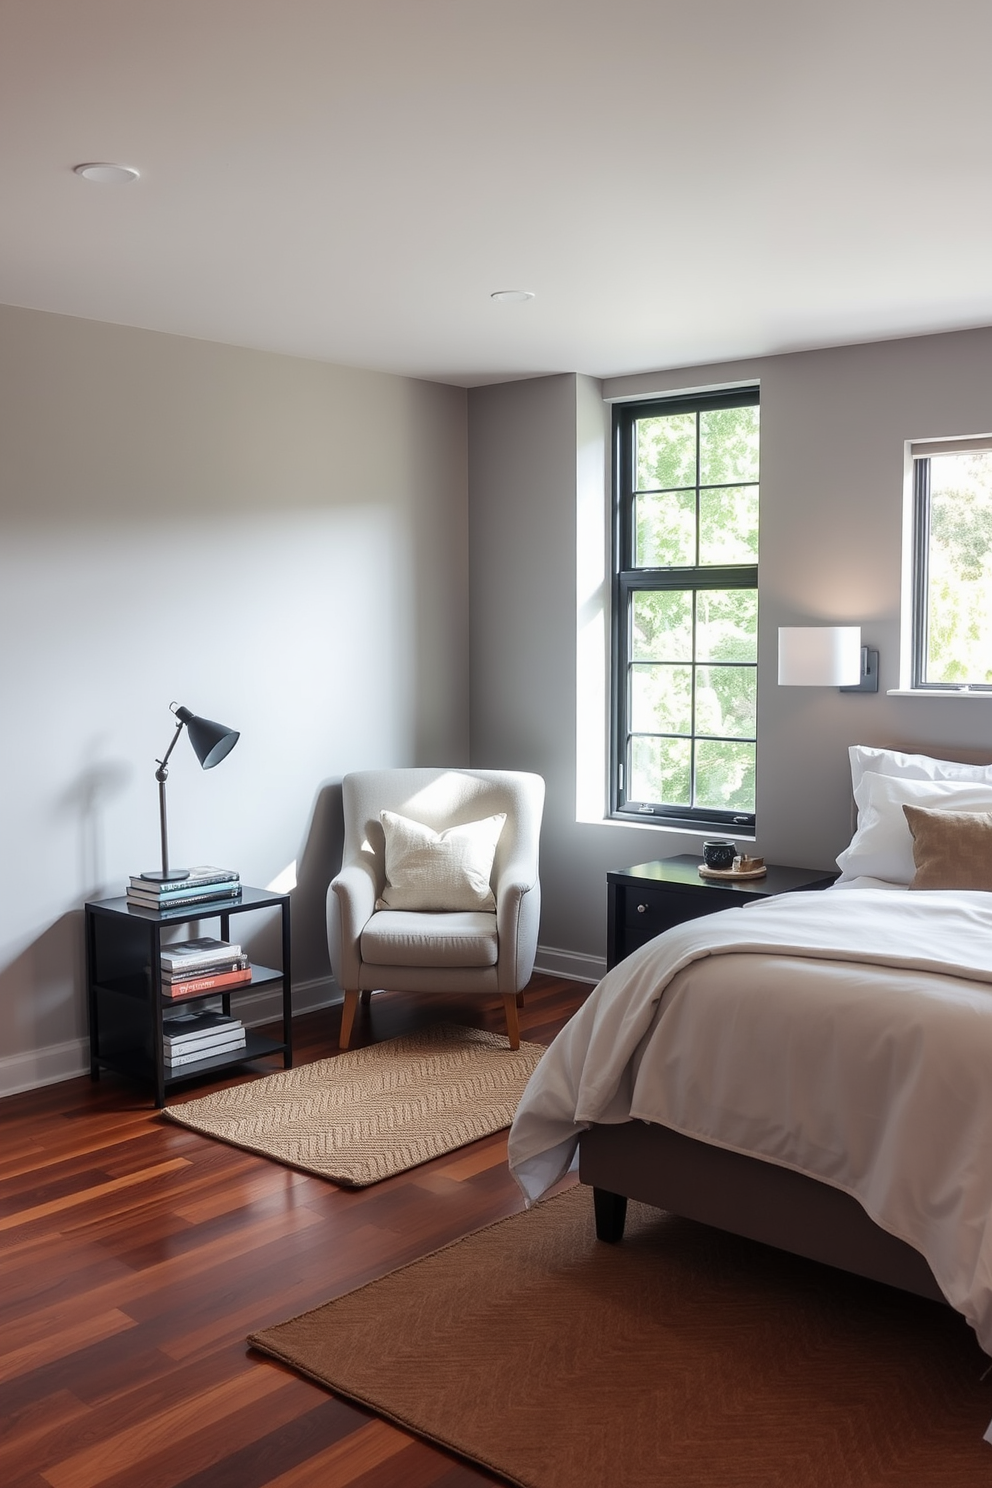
x=727 y=625
x=661 y=699
x=724 y=775
x=662 y=625
x=659 y=771
x=959 y=641
x=665 y=452
x=665 y=530
x=728 y=446
x=726 y=701
x=728 y=525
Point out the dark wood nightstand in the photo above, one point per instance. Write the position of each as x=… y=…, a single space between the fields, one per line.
x=652 y=897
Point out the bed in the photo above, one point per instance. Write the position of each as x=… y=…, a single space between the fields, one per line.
x=811 y=1071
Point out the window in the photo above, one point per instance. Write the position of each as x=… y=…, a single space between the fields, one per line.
x=686 y=609
x=952 y=563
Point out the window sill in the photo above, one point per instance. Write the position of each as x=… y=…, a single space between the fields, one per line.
x=933 y=692
x=658 y=824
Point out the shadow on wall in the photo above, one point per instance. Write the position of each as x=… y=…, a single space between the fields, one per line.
x=88 y=797
x=41 y=983
x=44 y=986
x=319 y=861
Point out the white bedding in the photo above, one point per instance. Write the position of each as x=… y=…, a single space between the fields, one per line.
x=847 y=1034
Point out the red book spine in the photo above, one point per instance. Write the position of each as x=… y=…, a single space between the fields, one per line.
x=206 y=984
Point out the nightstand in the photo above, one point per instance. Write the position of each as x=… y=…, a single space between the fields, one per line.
x=124 y=988
x=652 y=897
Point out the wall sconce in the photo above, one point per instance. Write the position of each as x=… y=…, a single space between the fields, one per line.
x=826 y=656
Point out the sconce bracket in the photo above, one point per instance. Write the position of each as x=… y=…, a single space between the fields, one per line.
x=869 y=673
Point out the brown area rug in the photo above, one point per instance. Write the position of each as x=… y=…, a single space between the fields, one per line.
x=369 y=1113
x=681 y=1358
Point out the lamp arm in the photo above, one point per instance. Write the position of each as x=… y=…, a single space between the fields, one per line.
x=162 y=775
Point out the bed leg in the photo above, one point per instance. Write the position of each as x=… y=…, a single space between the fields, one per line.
x=611 y=1215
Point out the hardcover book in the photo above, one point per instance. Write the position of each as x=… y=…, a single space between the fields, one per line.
x=180 y=1028
x=199 y=951
x=205 y=968
x=197 y=985
x=196 y=878
x=190 y=896
x=174 y=1061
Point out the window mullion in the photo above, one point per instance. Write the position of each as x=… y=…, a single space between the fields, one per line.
x=921 y=569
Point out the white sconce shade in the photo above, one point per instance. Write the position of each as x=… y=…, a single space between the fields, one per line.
x=819 y=655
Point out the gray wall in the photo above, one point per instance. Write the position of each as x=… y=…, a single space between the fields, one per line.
x=276 y=543
x=834 y=425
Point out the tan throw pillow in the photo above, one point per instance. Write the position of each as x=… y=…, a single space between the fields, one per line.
x=952 y=849
x=449 y=870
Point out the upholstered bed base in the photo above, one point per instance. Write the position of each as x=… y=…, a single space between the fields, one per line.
x=745 y=1196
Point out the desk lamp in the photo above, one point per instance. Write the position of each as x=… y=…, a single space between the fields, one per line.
x=211 y=743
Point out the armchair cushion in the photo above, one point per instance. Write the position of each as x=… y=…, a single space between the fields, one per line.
x=439 y=871
x=401 y=938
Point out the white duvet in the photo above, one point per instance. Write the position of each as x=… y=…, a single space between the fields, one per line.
x=845 y=1034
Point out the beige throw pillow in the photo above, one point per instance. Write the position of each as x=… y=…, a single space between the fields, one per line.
x=449 y=870
x=952 y=849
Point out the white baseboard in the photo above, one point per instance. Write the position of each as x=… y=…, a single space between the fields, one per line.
x=56 y=1062
x=256 y=1008
x=19 y=1072
x=572 y=964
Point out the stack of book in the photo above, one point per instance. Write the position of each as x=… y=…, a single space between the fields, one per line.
x=201 y=1035
x=200 y=886
x=196 y=968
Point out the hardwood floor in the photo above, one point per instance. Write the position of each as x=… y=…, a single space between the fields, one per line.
x=135 y=1257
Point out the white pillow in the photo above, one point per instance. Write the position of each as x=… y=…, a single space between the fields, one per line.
x=449 y=870
x=882 y=846
x=911 y=766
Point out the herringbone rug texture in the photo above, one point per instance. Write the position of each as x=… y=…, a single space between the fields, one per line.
x=369 y=1113
x=681 y=1358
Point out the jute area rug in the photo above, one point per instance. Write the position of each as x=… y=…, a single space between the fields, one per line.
x=680 y=1358
x=369 y=1113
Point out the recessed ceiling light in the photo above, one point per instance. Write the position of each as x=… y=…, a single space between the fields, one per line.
x=512 y=296
x=111 y=175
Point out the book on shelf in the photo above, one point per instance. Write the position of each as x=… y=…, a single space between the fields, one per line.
x=198 y=985
x=206 y=968
x=196 y=1023
x=205 y=1046
x=196 y=878
x=200 y=951
x=219 y=894
x=224 y=1033
x=193 y=1056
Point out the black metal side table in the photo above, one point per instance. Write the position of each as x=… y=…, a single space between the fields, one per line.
x=124 y=988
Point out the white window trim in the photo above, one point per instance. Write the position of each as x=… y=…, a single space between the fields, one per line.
x=916 y=448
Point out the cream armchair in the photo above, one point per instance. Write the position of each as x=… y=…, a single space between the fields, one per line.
x=459 y=951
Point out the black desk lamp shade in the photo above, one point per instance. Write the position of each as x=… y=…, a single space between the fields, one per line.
x=211 y=743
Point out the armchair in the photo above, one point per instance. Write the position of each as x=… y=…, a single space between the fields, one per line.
x=397 y=950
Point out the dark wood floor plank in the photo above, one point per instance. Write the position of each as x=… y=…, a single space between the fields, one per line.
x=136 y=1256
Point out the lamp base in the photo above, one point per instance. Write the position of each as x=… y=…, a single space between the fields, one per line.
x=174 y=875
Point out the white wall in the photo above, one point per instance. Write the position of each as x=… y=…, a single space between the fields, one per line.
x=834 y=424
x=278 y=544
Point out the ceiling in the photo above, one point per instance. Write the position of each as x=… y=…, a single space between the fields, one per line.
x=350 y=180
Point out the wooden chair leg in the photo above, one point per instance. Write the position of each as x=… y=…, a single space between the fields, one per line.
x=520 y=999
x=348 y=1018
x=512 y=1025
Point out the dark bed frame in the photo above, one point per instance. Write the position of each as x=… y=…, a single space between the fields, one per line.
x=744 y=1195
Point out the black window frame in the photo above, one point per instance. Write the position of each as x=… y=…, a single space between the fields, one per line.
x=627 y=578
x=921 y=568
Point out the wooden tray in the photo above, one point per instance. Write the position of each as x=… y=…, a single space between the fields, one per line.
x=705 y=872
